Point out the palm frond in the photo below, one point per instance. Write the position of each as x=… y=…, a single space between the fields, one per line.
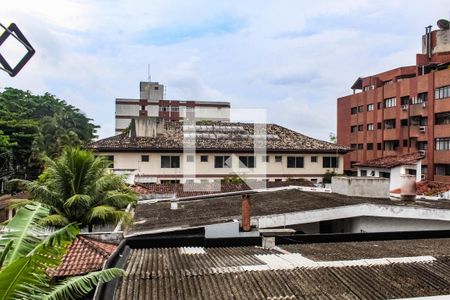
x=105 y=214
x=24 y=231
x=119 y=199
x=4 y=252
x=77 y=287
x=54 y=220
x=18 y=203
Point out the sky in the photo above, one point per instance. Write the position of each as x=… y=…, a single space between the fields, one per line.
x=292 y=58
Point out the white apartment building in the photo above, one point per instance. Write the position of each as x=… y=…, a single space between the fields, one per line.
x=152 y=103
x=160 y=151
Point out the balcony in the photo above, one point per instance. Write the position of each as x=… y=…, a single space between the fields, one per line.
x=442 y=105
x=390 y=113
x=442 y=156
x=442 y=130
x=419 y=132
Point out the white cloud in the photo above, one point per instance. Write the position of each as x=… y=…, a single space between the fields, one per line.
x=292 y=57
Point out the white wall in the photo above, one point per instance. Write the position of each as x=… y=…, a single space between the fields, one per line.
x=378 y=224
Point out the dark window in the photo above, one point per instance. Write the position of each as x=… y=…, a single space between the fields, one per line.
x=354 y=128
x=404 y=100
x=353 y=146
x=265 y=158
x=111 y=159
x=385 y=174
x=422 y=145
x=363 y=173
x=369 y=146
x=360 y=127
x=246 y=162
x=156 y=87
x=314 y=159
x=443 y=170
x=379 y=146
x=145 y=158
x=389 y=124
x=204 y=158
x=405 y=143
x=222 y=162
x=442 y=92
x=295 y=162
x=278 y=158
x=443 y=118
x=143 y=107
x=354 y=110
x=360 y=108
x=404 y=122
x=330 y=162
x=170 y=162
x=360 y=146
x=190 y=158
x=391 y=145
x=379 y=105
x=379 y=125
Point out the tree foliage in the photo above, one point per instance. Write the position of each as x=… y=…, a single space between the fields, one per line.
x=28 y=252
x=39 y=125
x=77 y=187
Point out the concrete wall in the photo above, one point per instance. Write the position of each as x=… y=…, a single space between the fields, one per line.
x=395 y=181
x=378 y=224
x=361 y=186
x=198 y=170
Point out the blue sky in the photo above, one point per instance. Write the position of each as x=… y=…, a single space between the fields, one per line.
x=293 y=58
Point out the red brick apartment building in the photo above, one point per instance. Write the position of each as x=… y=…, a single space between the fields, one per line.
x=403 y=110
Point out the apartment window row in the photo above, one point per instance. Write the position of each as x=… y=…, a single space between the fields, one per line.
x=169 y=108
x=390 y=102
x=442 y=170
x=443 y=143
x=357 y=109
x=442 y=92
x=442 y=118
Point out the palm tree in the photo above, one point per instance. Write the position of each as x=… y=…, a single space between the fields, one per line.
x=77 y=187
x=27 y=253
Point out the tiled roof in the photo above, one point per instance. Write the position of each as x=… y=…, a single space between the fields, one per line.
x=218 y=209
x=257 y=273
x=391 y=161
x=431 y=188
x=187 y=190
x=83 y=256
x=218 y=136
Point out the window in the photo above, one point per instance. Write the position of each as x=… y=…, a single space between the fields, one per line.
x=190 y=158
x=379 y=146
x=330 y=162
x=404 y=100
x=295 y=162
x=385 y=174
x=379 y=126
x=443 y=118
x=163 y=108
x=172 y=162
x=246 y=162
x=156 y=87
x=354 y=128
x=419 y=121
x=313 y=159
x=391 y=145
x=360 y=108
x=421 y=98
x=142 y=107
x=370 y=107
x=360 y=127
x=370 y=127
x=369 y=146
x=145 y=158
x=390 y=102
x=278 y=158
x=443 y=144
x=405 y=143
x=404 y=122
x=443 y=170
x=363 y=173
x=360 y=146
x=111 y=159
x=388 y=82
x=175 y=108
x=189 y=181
x=204 y=158
x=170 y=181
x=222 y=162
x=354 y=110
x=442 y=92
x=265 y=158
x=353 y=146
x=379 y=105
x=389 y=124
x=422 y=145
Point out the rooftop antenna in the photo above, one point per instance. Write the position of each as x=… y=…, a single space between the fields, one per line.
x=149 y=74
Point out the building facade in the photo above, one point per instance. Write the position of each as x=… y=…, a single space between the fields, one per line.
x=158 y=151
x=152 y=103
x=400 y=111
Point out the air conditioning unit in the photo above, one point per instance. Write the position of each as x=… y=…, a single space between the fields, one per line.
x=405 y=107
x=424 y=104
x=422 y=129
x=422 y=152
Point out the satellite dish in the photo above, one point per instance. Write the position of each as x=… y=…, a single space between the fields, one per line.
x=443 y=24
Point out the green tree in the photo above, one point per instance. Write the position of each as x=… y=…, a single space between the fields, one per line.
x=77 y=187
x=5 y=143
x=27 y=252
x=39 y=126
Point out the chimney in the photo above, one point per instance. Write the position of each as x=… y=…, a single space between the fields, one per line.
x=408 y=187
x=245 y=212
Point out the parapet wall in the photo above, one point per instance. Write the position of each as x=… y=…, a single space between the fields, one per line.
x=374 y=187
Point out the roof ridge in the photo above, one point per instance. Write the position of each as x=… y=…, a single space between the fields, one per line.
x=91 y=243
